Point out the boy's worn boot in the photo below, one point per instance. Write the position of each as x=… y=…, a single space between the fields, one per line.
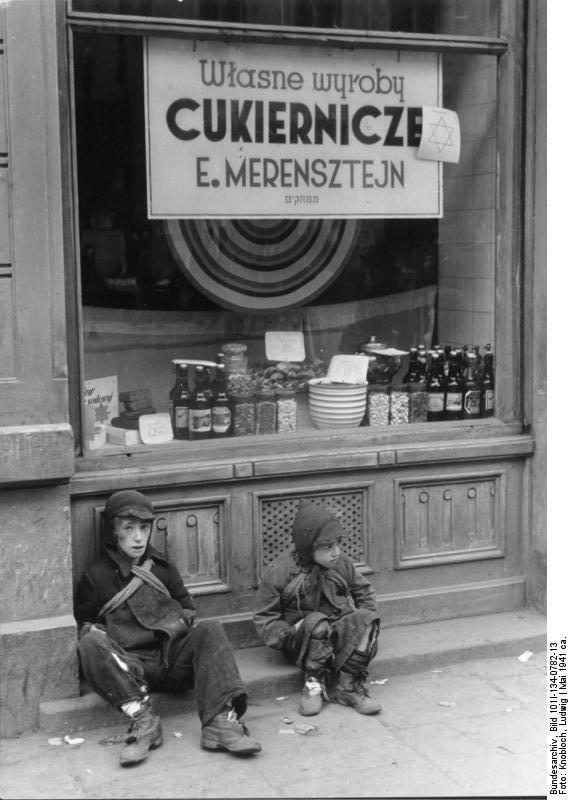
x=352 y=691
x=144 y=734
x=225 y=732
x=313 y=694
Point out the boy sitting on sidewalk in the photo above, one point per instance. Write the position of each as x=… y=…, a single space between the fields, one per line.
x=320 y=612
x=137 y=632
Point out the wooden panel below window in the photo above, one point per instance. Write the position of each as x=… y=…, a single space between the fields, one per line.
x=444 y=521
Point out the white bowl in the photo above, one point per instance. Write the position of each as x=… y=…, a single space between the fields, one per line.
x=336 y=405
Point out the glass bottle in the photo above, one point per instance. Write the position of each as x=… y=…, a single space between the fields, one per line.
x=199 y=421
x=422 y=361
x=180 y=402
x=487 y=386
x=471 y=389
x=221 y=410
x=436 y=389
x=453 y=389
x=447 y=352
x=413 y=369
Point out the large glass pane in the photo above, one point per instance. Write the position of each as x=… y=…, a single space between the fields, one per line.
x=155 y=291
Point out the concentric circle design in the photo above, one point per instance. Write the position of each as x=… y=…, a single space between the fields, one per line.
x=261 y=264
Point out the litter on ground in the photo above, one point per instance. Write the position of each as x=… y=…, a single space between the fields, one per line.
x=525 y=656
x=177 y=734
x=305 y=729
x=74 y=742
x=287 y=720
x=55 y=741
x=447 y=703
x=115 y=738
x=380 y=682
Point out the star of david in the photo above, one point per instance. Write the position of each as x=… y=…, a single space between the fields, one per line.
x=101 y=413
x=441 y=135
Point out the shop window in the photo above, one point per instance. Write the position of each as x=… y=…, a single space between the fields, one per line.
x=454 y=17
x=155 y=291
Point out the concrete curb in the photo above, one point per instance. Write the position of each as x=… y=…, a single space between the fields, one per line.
x=403 y=650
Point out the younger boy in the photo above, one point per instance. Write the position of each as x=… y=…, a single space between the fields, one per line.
x=320 y=612
x=137 y=632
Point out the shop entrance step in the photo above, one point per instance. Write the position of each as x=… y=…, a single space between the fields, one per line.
x=403 y=650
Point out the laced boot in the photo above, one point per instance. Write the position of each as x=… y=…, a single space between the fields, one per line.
x=144 y=734
x=225 y=732
x=313 y=695
x=352 y=691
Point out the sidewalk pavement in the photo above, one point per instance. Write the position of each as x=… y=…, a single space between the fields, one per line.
x=459 y=727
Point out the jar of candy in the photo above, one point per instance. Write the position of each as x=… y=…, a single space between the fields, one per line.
x=265 y=412
x=235 y=357
x=243 y=415
x=418 y=402
x=286 y=410
x=399 y=404
x=377 y=404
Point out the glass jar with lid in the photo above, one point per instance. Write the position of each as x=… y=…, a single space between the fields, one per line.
x=418 y=402
x=377 y=404
x=243 y=415
x=235 y=357
x=265 y=412
x=398 y=404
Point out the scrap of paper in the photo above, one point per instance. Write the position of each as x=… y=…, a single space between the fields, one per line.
x=440 y=137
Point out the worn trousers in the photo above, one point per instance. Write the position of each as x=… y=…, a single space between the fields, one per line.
x=345 y=634
x=202 y=660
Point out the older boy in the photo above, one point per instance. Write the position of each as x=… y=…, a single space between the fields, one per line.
x=320 y=612
x=137 y=632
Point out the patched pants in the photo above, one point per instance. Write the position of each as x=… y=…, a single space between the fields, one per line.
x=317 y=653
x=202 y=660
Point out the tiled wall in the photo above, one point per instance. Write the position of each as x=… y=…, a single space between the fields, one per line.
x=467 y=232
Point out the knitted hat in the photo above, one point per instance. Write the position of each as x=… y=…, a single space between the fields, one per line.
x=129 y=503
x=312 y=524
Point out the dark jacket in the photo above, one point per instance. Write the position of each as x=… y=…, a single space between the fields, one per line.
x=287 y=593
x=147 y=619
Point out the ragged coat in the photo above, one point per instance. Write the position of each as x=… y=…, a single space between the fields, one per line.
x=288 y=593
x=148 y=619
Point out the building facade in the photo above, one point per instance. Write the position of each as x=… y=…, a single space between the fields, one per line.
x=283 y=187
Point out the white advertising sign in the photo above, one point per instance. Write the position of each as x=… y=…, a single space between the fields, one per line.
x=270 y=130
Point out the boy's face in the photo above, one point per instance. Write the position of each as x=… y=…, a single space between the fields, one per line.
x=132 y=535
x=327 y=551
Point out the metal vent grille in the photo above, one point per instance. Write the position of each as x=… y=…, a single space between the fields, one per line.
x=277 y=517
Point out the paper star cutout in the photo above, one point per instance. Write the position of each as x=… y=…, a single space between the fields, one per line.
x=441 y=135
x=101 y=413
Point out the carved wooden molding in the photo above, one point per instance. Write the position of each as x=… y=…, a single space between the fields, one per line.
x=444 y=520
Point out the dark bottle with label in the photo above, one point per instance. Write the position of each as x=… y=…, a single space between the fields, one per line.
x=471 y=389
x=436 y=386
x=487 y=386
x=447 y=352
x=180 y=397
x=421 y=362
x=221 y=409
x=453 y=389
x=199 y=421
x=412 y=375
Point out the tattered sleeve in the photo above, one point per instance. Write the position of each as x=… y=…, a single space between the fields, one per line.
x=267 y=618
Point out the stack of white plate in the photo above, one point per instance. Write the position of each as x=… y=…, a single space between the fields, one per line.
x=336 y=405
